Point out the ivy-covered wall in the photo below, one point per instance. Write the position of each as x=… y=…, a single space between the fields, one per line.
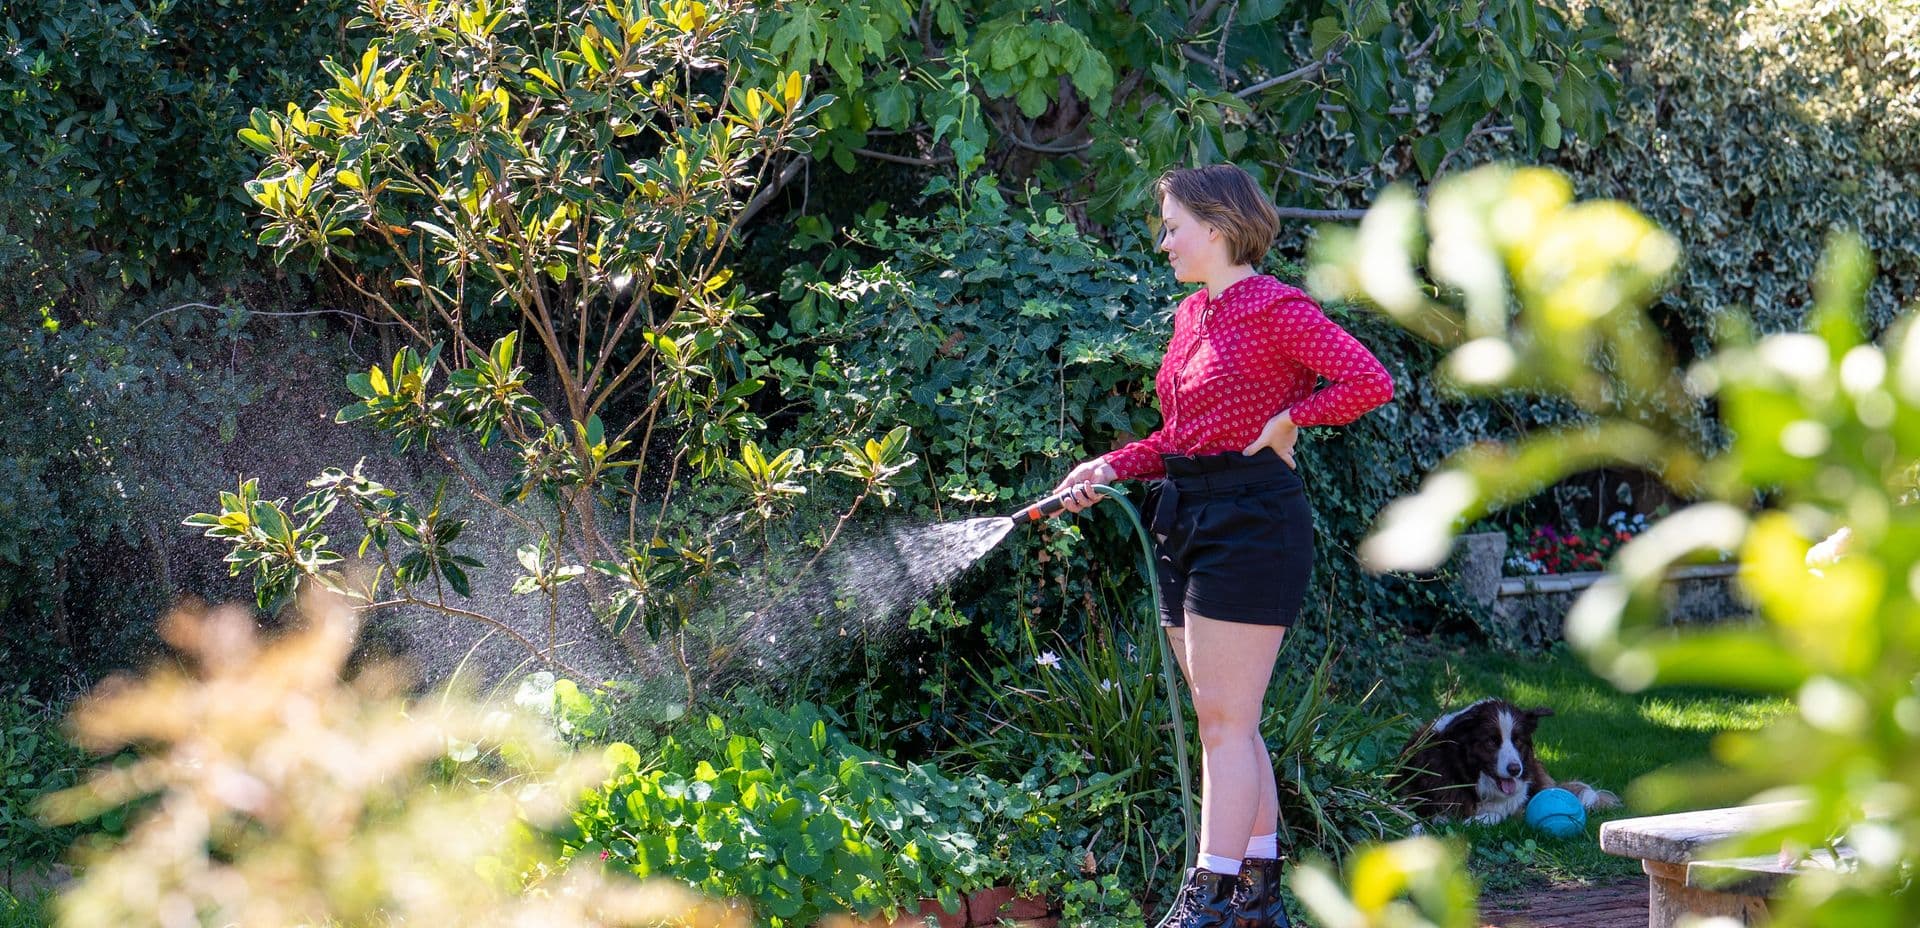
x=1753 y=130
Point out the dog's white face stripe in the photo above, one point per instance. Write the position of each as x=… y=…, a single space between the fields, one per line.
x=1448 y=719
x=1509 y=757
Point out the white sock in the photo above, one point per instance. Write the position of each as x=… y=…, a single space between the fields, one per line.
x=1264 y=847
x=1225 y=866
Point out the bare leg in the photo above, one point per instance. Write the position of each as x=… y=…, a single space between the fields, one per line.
x=1233 y=663
x=1266 y=816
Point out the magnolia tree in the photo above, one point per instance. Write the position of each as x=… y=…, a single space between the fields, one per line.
x=1535 y=292
x=569 y=179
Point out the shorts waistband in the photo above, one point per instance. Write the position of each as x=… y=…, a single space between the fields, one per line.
x=1210 y=472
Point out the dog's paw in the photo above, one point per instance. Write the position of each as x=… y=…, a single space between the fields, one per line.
x=1485 y=818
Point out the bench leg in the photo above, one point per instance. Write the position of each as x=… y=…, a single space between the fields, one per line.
x=1669 y=898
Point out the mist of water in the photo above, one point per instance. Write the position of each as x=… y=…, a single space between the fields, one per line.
x=860 y=592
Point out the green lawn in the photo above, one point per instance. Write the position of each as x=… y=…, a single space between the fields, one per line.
x=1596 y=734
x=31 y=912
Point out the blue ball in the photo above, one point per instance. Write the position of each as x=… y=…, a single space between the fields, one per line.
x=1557 y=812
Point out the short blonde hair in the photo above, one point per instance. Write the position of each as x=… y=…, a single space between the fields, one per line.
x=1225 y=197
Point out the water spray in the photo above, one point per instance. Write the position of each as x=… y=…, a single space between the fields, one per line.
x=1169 y=670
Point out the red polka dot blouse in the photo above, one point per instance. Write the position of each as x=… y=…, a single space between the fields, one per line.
x=1238 y=359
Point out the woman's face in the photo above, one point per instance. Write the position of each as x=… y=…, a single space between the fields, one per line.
x=1194 y=249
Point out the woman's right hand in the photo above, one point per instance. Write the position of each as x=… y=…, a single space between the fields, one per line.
x=1082 y=480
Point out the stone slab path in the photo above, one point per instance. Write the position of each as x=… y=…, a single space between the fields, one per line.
x=1614 y=905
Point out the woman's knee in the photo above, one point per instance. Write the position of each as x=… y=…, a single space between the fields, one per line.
x=1222 y=721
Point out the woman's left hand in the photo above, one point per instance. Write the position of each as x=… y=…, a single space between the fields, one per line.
x=1280 y=435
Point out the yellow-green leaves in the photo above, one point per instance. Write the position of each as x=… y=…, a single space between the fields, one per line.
x=1826 y=614
x=1415 y=883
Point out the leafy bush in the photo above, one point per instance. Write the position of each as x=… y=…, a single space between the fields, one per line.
x=35 y=759
x=1320 y=99
x=777 y=807
x=118 y=162
x=589 y=171
x=1752 y=130
x=281 y=795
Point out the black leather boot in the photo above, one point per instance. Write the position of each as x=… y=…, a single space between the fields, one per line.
x=1205 y=901
x=1256 y=896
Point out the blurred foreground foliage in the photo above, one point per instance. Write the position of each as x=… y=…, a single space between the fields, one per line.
x=1826 y=430
x=269 y=791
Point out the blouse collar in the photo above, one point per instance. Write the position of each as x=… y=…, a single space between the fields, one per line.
x=1207 y=300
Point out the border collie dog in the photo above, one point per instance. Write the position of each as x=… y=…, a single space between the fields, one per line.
x=1477 y=764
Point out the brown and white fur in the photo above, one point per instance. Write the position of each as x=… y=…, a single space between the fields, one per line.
x=1477 y=764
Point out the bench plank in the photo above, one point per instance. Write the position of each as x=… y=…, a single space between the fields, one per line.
x=1758 y=876
x=1676 y=838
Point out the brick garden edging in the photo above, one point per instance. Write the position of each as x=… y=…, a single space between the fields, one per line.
x=982 y=909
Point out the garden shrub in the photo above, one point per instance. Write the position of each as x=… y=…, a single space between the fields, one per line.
x=118 y=161
x=268 y=788
x=591 y=165
x=36 y=759
x=1752 y=130
x=777 y=807
x=119 y=197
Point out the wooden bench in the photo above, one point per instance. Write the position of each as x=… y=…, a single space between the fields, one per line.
x=1679 y=882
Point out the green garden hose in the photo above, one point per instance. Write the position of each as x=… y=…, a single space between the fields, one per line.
x=1169 y=669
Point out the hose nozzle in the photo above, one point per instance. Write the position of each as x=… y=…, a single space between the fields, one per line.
x=1051 y=506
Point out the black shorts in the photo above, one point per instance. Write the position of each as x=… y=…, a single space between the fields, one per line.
x=1233 y=538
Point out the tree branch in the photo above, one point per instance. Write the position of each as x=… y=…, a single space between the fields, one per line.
x=1301 y=73
x=903 y=159
x=1420 y=51
x=767 y=193
x=1333 y=215
x=1203 y=14
x=1328 y=179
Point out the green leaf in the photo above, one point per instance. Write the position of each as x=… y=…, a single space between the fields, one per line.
x=456 y=578
x=269 y=519
x=1455 y=90
x=1428 y=152
x=1326 y=31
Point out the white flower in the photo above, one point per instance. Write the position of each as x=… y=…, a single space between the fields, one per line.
x=1048 y=659
x=1106 y=686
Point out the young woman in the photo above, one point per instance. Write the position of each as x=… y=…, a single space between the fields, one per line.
x=1230 y=516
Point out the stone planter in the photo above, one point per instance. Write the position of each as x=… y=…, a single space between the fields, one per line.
x=1529 y=612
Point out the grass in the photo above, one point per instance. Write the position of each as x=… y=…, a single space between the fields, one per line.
x=1597 y=735
x=34 y=911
